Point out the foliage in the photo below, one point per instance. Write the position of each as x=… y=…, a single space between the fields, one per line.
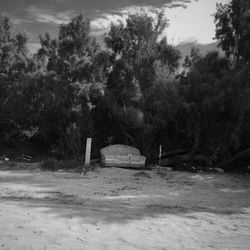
x=14 y=66
x=211 y=103
x=214 y=92
x=129 y=92
x=233 y=29
x=138 y=55
x=68 y=80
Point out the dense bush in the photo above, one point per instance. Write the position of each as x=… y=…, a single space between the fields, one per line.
x=130 y=92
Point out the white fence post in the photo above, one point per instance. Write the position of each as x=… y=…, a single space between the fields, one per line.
x=88 y=151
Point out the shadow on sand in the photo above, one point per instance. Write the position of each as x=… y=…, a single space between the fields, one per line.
x=178 y=193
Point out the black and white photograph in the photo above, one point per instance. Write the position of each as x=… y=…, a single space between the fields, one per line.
x=124 y=124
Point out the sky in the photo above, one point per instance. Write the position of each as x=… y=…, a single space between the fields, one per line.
x=189 y=20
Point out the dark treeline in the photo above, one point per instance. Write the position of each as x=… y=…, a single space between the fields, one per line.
x=129 y=91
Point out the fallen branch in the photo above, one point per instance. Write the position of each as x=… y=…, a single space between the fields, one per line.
x=173 y=153
x=245 y=154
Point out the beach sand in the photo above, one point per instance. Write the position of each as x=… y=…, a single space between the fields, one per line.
x=121 y=209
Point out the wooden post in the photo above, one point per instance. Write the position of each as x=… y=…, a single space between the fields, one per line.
x=160 y=154
x=88 y=151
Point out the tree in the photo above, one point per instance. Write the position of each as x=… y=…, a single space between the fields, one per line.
x=205 y=102
x=233 y=32
x=138 y=43
x=138 y=54
x=70 y=79
x=233 y=29
x=14 y=66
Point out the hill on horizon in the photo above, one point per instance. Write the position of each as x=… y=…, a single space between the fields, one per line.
x=185 y=48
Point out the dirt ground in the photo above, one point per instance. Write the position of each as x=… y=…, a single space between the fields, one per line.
x=121 y=209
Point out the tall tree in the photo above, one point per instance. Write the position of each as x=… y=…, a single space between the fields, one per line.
x=233 y=29
x=14 y=66
x=138 y=54
x=72 y=78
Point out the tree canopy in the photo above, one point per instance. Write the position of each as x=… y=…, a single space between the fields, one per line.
x=233 y=29
x=131 y=91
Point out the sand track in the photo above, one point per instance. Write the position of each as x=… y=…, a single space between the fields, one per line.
x=119 y=210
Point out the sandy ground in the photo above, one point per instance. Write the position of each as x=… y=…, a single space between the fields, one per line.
x=121 y=209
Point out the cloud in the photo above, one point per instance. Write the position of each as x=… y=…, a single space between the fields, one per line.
x=101 y=23
x=102 y=20
x=39 y=16
x=60 y=11
x=16 y=20
x=43 y=15
x=20 y=8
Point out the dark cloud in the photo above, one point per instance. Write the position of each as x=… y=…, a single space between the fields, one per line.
x=14 y=6
x=38 y=16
